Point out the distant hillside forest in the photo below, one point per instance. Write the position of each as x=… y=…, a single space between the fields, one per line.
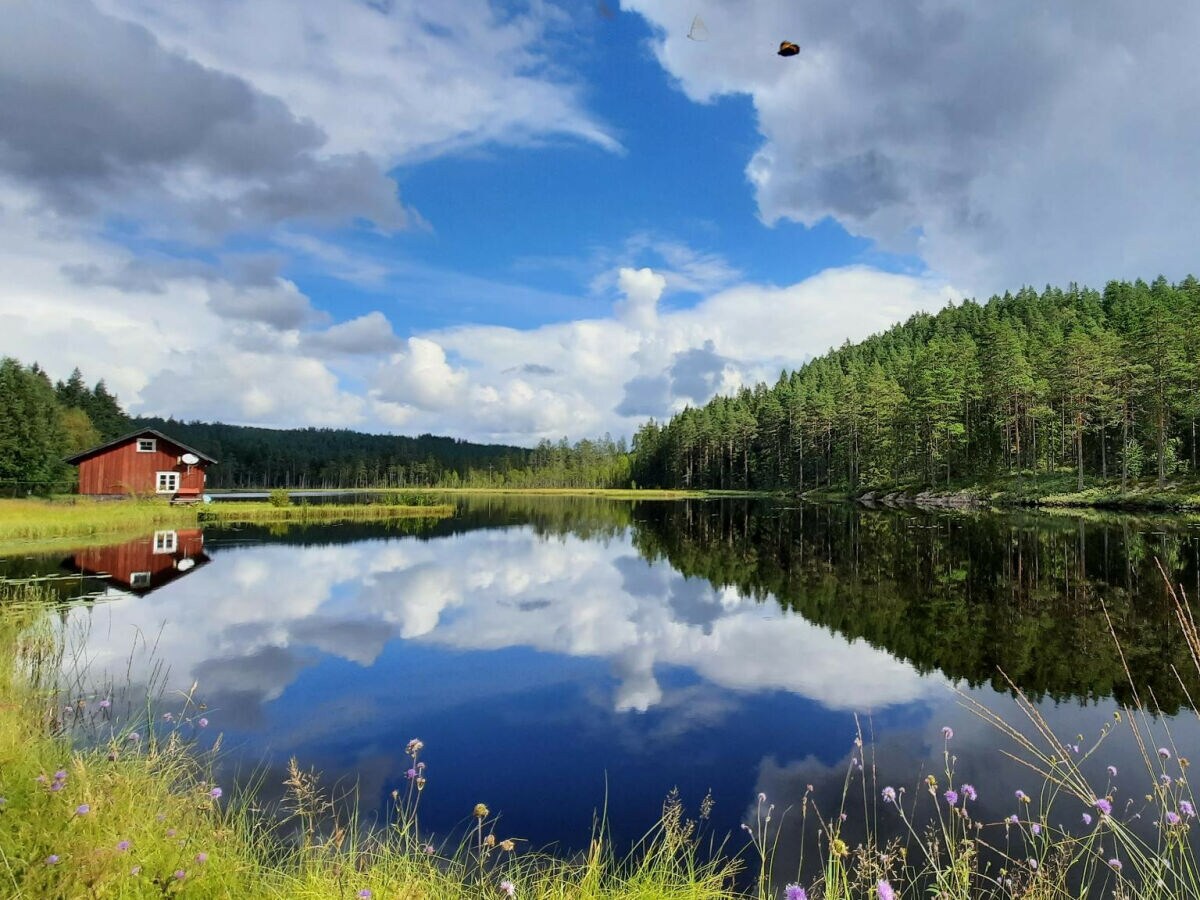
x=42 y=422
x=1105 y=383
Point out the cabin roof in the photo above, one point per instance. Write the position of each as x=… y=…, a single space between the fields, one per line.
x=141 y=432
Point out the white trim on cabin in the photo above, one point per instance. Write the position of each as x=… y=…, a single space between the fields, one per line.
x=166 y=541
x=146 y=445
x=139 y=579
x=166 y=483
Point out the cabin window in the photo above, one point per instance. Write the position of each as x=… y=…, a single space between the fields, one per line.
x=146 y=445
x=165 y=541
x=168 y=482
x=139 y=579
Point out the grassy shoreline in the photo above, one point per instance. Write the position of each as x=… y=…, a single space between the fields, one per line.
x=48 y=523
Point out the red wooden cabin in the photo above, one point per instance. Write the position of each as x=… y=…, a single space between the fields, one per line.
x=142 y=565
x=143 y=462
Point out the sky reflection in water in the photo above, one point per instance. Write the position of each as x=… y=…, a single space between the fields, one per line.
x=545 y=672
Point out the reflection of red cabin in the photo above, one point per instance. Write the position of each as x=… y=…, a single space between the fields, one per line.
x=145 y=564
x=143 y=462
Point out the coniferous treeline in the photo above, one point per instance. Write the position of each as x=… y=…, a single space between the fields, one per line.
x=1105 y=383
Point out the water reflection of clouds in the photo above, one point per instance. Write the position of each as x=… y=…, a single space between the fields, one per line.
x=258 y=615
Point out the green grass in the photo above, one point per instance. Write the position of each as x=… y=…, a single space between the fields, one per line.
x=27 y=525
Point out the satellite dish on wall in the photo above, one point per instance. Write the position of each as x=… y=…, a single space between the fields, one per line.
x=190 y=459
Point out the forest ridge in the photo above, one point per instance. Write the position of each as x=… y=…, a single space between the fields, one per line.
x=1105 y=383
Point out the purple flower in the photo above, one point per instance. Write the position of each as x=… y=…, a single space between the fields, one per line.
x=57 y=786
x=410 y=774
x=1103 y=805
x=1033 y=863
x=82 y=809
x=885 y=890
x=1013 y=820
x=215 y=793
x=508 y=888
x=202 y=857
x=1087 y=819
x=180 y=874
x=429 y=849
x=60 y=775
x=1185 y=807
x=947 y=732
x=1164 y=753
x=52 y=859
x=41 y=779
x=1173 y=818
x=123 y=846
x=951 y=798
x=202 y=722
x=1112 y=771
x=1022 y=796
x=105 y=703
x=1115 y=864
x=1165 y=779
x=889 y=794
x=795 y=892
x=1035 y=828
x=968 y=791
x=364 y=894
x=170 y=832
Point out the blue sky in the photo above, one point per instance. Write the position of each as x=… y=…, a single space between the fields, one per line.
x=517 y=221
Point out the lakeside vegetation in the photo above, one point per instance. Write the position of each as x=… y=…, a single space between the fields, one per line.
x=82 y=517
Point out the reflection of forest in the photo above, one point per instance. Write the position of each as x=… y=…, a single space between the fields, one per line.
x=972 y=595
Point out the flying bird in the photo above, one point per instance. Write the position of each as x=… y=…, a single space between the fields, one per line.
x=787 y=48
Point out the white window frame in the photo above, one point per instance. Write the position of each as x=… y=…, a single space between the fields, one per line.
x=166 y=541
x=147 y=445
x=139 y=579
x=173 y=482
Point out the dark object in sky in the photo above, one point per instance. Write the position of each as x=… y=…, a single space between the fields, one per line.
x=787 y=48
x=698 y=31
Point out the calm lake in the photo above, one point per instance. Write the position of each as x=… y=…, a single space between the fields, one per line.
x=558 y=656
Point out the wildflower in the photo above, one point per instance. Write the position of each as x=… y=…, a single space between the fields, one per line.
x=1103 y=804
x=1112 y=771
x=1087 y=819
x=762 y=798
x=52 y=859
x=1164 y=753
x=1115 y=864
x=508 y=846
x=414 y=746
x=410 y=774
x=1185 y=807
x=364 y=894
x=794 y=892
x=57 y=786
x=1173 y=818
x=180 y=874
x=133 y=737
x=490 y=841
x=429 y=849
x=1165 y=779
x=508 y=888
x=168 y=717
x=3 y=802
x=82 y=809
x=105 y=703
x=202 y=722
x=947 y=732
x=202 y=857
x=215 y=793
x=481 y=811
x=1022 y=796
x=889 y=794
x=885 y=890
x=170 y=832
x=1035 y=828
x=1013 y=820
x=951 y=798
x=136 y=870
x=1033 y=863
x=60 y=775
x=968 y=791
x=122 y=846
x=838 y=847
x=41 y=779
